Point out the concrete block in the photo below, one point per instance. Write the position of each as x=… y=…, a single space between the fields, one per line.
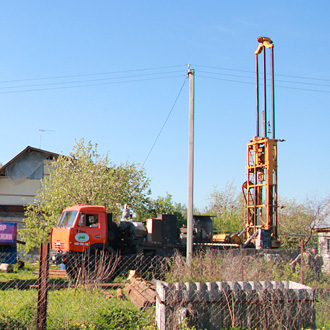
x=216 y=305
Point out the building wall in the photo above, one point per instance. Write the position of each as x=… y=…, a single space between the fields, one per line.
x=324 y=250
x=14 y=194
x=19 y=193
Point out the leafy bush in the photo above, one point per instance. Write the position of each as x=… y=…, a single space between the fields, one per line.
x=121 y=317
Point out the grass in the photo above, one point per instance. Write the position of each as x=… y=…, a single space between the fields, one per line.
x=84 y=308
x=68 y=309
x=71 y=309
x=91 y=309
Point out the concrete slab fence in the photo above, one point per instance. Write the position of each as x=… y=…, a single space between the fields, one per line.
x=222 y=305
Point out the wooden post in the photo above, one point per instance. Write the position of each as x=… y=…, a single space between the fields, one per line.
x=43 y=286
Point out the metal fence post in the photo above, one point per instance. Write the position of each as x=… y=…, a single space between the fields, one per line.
x=43 y=286
x=242 y=267
x=302 y=262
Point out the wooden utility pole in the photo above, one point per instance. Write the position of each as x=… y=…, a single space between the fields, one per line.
x=191 y=75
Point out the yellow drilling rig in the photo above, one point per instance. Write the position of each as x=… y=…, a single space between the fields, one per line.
x=260 y=188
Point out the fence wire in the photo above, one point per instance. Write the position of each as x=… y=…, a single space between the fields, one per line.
x=93 y=292
x=227 y=305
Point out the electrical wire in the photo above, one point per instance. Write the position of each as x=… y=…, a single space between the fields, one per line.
x=277 y=74
x=166 y=120
x=93 y=74
x=261 y=84
x=89 y=80
x=253 y=78
x=126 y=76
x=88 y=85
x=220 y=68
x=222 y=79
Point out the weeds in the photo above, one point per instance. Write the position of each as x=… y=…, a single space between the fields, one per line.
x=226 y=266
x=90 y=309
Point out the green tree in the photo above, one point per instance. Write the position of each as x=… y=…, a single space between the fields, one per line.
x=83 y=177
x=227 y=205
x=164 y=205
x=296 y=221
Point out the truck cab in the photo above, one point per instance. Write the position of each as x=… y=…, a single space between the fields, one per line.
x=81 y=227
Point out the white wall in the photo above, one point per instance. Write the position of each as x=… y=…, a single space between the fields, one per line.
x=324 y=250
x=19 y=193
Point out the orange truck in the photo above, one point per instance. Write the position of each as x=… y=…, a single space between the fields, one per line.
x=83 y=227
x=89 y=228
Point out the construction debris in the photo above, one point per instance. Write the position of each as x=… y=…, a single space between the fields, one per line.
x=141 y=293
x=120 y=295
x=6 y=268
x=107 y=294
x=53 y=272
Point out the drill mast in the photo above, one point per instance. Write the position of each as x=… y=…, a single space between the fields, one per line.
x=260 y=189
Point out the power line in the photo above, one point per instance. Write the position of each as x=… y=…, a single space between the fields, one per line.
x=277 y=86
x=168 y=116
x=89 y=80
x=141 y=74
x=221 y=68
x=92 y=74
x=87 y=85
x=277 y=80
x=277 y=74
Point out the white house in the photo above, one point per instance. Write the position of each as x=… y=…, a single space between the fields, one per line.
x=20 y=181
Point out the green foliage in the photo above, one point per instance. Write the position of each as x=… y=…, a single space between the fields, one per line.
x=21 y=312
x=71 y=310
x=76 y=313
x=164 y=205
x=90 y=309
x=295 y=219
x=121 y=318
x=228 y=208
x=83 y=177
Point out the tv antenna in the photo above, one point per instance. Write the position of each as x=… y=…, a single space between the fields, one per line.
x=41 y=130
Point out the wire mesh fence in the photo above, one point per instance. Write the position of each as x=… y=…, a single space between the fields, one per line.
x=94 y=292
x=227 y=305
x=101 y=266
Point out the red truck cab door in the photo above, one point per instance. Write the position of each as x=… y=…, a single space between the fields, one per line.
x=90 y=231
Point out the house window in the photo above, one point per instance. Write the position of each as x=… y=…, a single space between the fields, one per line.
x=328 y=245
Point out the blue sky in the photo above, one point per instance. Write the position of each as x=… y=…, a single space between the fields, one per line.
x=110 y=72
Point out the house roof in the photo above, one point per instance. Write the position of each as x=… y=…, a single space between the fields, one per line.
x=323 y=220
x=51 y=155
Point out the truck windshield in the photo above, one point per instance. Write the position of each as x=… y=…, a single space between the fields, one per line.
x=67 y=219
